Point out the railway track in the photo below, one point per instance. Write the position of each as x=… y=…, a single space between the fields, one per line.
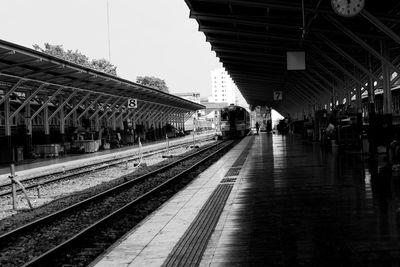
x=77 y=234
x=38 y=181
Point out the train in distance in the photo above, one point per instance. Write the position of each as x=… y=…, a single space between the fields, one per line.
x=234 y=122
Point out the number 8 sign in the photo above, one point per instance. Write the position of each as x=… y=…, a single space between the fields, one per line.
x=132 y=103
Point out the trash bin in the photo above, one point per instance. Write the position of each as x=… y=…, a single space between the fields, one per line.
x=19 y=153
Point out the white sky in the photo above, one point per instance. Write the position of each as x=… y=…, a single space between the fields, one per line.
x=148 y=37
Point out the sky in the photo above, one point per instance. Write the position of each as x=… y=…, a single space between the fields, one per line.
x=147 y=37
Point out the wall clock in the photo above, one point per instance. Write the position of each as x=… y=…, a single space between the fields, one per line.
x=347 y=8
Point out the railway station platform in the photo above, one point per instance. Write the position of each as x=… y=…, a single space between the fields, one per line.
x=273 y=201
x=47 y=166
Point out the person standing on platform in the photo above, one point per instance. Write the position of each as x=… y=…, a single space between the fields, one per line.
x=257 y=127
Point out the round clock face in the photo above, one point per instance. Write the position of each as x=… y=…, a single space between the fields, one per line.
x=347 y=8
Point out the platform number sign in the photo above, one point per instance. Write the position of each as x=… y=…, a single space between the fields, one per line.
x=277 y=95
x=132 y=103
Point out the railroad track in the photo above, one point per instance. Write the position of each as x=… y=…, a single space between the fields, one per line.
x=77 y=234
x=38 y=181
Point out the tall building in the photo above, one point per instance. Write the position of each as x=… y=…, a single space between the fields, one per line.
x=223 y=89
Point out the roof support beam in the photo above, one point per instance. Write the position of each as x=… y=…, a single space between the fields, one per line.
x=98 y=109
x=244 y=52
x=47 y=102
x=337 y=65
x=89 y=107
x=13 y=65
x=377 y=23
x=28 y=100
x=77 y=106
x=299 y=94
x=117 y=110
x=161 y=112
x=362 y=43
x=63 y=104
x=329 y=83
x=9 y=92
x=347 y=56
x=316 y=88
x=261 y=22
x=255 y=34
x=277 y=4
x=325 y=69
x=110 y=108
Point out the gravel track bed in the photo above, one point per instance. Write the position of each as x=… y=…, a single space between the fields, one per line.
x=59 y=230
x=5 y=187
x=63 y=190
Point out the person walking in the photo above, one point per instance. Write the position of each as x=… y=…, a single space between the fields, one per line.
x=257 y=127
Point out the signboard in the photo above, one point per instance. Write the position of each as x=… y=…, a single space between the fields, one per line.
x=132 y=103
x=296 y=60
x=277 y=95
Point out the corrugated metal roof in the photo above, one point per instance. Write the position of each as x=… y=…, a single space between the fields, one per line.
x=35 y=67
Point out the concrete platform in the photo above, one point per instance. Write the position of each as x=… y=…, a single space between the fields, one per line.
x=150 y=243
x=292 y=204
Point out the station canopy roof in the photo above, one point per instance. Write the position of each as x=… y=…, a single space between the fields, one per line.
x=252 y=37
x=18 y=62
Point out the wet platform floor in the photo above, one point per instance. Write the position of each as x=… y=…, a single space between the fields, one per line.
x=291 y=204
x=295 y=204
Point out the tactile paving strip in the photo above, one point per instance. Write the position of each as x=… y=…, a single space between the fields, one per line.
x=228 y=180
x=190 y=248
x=242 y=158
x=233 y=172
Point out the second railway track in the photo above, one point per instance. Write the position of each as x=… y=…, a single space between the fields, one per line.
x=41 y=180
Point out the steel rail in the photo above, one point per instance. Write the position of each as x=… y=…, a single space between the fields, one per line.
x=46 y=258
x=48 y=218
x=86 y=169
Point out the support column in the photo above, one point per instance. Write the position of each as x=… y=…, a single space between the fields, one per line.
x=387 y=129
x=7 y=121
x=182 y=121
x=28 y=126
x=372 y=135
x=46 y=124
x=114 y=122
x=62 y=120
x=387 y=94
x=359 y=109
x=75 y=119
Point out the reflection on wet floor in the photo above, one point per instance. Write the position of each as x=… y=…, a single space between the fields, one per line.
x=302 y=206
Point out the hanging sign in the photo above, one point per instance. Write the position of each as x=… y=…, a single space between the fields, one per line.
x=277 y=95
x=132 y=103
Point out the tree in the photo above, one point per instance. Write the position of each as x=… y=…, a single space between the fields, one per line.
x=153 y=82
x=78 y=58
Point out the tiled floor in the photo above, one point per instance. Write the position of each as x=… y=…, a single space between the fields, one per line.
x=297 y=205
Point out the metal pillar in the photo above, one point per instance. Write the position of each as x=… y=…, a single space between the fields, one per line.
x=46 y=124
x=387 y=94
x=359 y=111
x=114 y=122
x=97 y=123
x=7 y=120
x=74 y=119
x=62 y=121
x=387 y=129
x=372 y=135
x=28 y=126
